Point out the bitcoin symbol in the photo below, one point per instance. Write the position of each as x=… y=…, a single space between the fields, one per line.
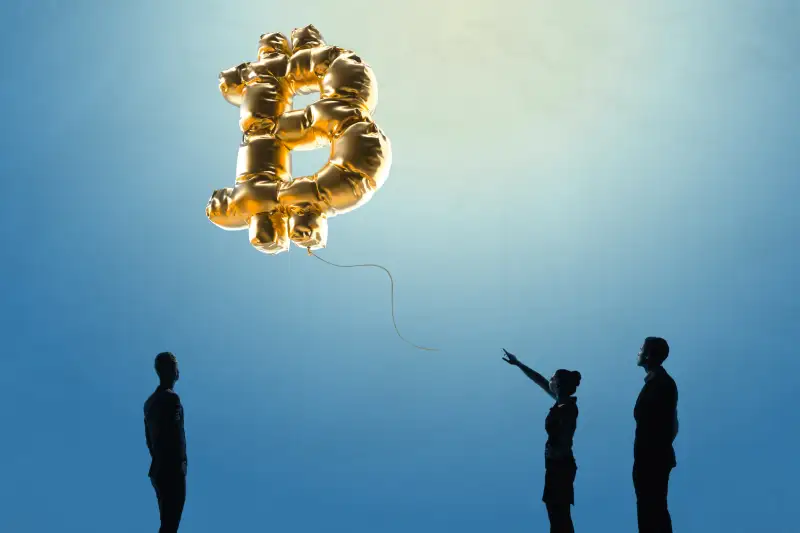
x=266 y=199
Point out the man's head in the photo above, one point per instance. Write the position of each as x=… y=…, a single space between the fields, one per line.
x=167 y=368
x=653 y=353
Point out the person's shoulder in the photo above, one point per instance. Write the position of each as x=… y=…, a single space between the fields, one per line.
x=661 y=375
x=171 y=396
x=571 y=406
x=162 y=397
x=666 y=382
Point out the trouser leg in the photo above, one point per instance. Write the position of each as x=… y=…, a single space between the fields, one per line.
x=171 y=494
x=560 y=518
x=651 y=483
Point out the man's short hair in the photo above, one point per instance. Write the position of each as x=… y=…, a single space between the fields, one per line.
x=657 y=349
x=165 y=361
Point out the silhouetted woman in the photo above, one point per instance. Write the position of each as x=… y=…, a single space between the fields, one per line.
x=560 y=424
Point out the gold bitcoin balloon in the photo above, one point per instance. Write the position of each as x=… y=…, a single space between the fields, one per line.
x=266 y=199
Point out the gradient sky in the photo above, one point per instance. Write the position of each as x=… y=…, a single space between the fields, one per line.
x=567 y=180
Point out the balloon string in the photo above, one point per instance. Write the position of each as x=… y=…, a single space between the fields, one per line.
x=391 y=279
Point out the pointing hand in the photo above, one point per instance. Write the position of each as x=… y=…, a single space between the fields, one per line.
x=510 y=358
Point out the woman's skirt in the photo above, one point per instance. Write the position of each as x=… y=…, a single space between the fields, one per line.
x=559 y=482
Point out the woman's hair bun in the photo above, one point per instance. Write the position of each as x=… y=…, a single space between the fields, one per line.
x=577 y=377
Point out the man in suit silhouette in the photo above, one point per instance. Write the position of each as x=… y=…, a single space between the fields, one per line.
x=166 y=440
x=656 y=415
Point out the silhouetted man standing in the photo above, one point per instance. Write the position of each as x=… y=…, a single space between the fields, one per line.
x=656 y=415
x=163 y=429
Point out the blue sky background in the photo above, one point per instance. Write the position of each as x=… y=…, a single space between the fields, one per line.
x=567 y=180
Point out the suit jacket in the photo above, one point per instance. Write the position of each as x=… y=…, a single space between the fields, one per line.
x=656 y=414
x=163 y=430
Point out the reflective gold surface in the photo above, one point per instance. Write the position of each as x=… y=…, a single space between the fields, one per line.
x=270 y=66
x=272 y=42
x=269 y=232
x=263 y=154
x=231 y=84
x=308 y=228
x=342 y=190
x=350 y=78
x=220 y=212
x=262 y=104
x=363 y=148
x=307 y=67
x=256 y=195
x=301 y=192
x=305 y=38
x=276 y=208
x=314 y=126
